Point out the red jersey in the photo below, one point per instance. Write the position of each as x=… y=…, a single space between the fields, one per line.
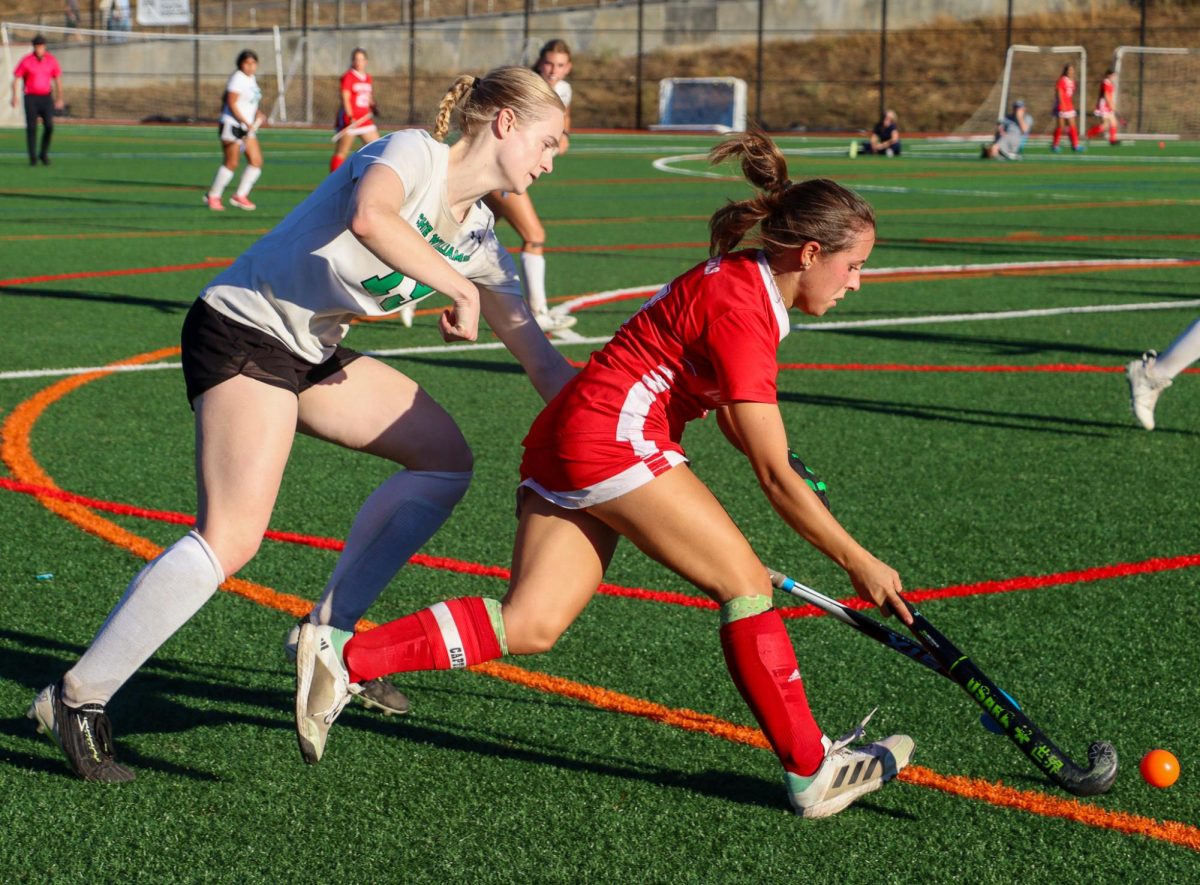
x=707 y=339
x=1064 y=93
x=360 y=88
x=1104 y=102
x=37 y=73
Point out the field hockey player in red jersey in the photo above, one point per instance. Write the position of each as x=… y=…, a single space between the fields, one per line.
x=604 y=461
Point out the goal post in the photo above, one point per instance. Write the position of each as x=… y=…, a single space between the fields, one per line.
x=1155 y=92
x=714 y=104
x=1029 y=75
x=144 y=75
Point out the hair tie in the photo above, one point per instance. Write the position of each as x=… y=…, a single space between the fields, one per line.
x=475 y=81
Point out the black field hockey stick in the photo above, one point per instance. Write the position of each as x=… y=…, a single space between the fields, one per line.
x=878 y=631
x=946 y=659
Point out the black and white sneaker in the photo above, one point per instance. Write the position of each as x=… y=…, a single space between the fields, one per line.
x=376 y=694
x=84 y=735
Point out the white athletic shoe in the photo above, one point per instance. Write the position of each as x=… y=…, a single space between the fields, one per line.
x=554 y=322
x=849 y=772
x=407 y=312
x=323 y=688
x=376 y=694
x=1144 y=388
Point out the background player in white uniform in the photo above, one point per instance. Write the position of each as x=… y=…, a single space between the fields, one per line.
x=1154 y=372
x=554 y=64
x=262 y=359
x=603 y=460
x=238 y=129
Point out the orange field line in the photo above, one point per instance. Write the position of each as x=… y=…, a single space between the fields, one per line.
x=17 y=453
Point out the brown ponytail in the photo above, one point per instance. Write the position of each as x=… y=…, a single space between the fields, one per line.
x=788 y=215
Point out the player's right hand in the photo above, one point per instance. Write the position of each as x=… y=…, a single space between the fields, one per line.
x=460 y=322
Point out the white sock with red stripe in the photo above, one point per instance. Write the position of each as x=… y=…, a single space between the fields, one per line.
x=446 y=636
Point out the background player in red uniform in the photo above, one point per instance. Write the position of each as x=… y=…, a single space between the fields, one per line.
x=1064 y=110
x=356 y=115
x=603 y=460
x=1106 y=108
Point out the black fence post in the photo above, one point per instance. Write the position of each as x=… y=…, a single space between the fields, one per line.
x=883 y=57
x=196 y=60
x=412 y=61
x=758 y=77
x=637 y=86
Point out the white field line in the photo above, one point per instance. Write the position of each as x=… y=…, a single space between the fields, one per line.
x=569 y=337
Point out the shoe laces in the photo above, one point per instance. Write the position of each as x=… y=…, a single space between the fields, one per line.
x=97 y=730
x=842 y=744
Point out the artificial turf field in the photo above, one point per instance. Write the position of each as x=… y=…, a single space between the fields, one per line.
x=966 y=408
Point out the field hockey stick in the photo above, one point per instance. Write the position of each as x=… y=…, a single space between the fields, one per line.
x=354 y=124
x=860 y=622
x=946 y=659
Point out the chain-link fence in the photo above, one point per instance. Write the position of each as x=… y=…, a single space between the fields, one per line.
x=814 y=65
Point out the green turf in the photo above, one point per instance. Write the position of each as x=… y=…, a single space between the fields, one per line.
x=952 y=477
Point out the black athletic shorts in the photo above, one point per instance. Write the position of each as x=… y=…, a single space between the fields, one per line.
x=215 y=349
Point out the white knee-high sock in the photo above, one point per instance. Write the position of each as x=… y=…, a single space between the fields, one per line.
x=392 y=524
x=533 y=270
x=1183 y=351
x=220 y=181
x=249 y=176
x=160 y=600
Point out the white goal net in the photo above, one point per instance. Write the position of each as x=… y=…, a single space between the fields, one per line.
x=716 y=104
x=1155 y=94
x=1030 y=74
x=151 y=77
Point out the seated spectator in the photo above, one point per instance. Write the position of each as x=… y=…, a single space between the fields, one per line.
x=1011 y=134
x=885 y=138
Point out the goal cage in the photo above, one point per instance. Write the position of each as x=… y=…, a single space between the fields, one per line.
x=1030 y=73
x=152 y=77
x=1155 y=92
x=712 y=104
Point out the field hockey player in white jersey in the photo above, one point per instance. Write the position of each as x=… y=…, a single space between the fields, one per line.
x=604 y=460
x=262 y=358
x=554 y=64
x=238 y=131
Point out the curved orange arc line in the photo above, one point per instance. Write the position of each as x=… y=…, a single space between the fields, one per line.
x=17 y=453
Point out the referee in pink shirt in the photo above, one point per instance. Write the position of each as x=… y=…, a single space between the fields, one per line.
x=41 y=77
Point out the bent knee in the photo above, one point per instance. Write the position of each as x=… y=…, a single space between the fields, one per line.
x=531 y=638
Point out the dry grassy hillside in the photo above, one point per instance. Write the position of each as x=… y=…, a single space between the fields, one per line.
x=937 y=76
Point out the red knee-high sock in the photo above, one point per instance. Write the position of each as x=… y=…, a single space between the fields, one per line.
x=335 y=161
x=762 y=663
x=1057 y=135
x=1112 y=134
x=445 y=636
x=1095 y=130
x=1074 y=135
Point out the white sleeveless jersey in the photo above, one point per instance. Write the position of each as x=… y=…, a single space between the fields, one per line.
x=248 y=97
x=563 y=88
x=309 y=277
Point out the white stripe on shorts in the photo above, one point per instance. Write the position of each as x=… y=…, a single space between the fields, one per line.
x=450 y=636
x=632 y=422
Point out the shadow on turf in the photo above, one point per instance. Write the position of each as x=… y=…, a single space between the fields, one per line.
x=160 y=304
x=150 y=710
x=1028 y=421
